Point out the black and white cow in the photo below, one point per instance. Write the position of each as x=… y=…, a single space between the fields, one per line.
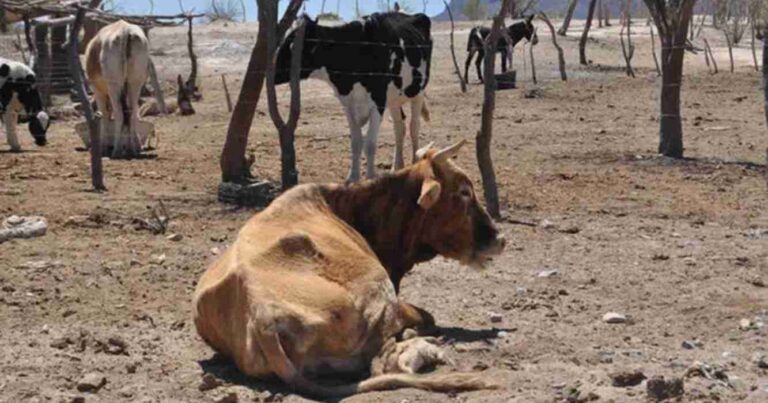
x=18 y=93
x=478 y=35
x=380 y=62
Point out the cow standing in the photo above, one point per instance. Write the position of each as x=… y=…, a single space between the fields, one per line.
x=381 y=62
x=18 y=92
x=117 y=63
x=476 y=44
x=310 y=284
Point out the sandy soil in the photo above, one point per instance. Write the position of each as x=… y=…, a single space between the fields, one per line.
x=679 y=247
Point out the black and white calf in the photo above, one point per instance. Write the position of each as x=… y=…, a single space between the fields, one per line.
x=380 y=62
x=478 y=35
x=18 y=93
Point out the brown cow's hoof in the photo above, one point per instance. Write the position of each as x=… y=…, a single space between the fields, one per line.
x=420 y=320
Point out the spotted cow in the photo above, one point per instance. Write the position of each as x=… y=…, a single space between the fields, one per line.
x=19 y=94
x=380 y=62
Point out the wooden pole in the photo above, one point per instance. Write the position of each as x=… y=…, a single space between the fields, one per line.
x=97 y=175
x=192 y=80
x=462 y=83
x=43 y=63
x=156 y=86
x=226 y=93
x=533 y=61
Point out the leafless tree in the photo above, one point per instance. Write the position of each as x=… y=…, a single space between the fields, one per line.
x=568 y=15
x=628 y=49
x=234 y=167
x=224 y=10
x=462 y=83
x=483 y=139
x=585 y=33
x=286 y=130
x=97 y=173
x=560 y=54
x=672 y=19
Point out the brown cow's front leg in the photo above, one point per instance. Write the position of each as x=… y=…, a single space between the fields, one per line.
x=417 y=318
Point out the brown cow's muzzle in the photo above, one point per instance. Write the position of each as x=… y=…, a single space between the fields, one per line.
x=487 y=252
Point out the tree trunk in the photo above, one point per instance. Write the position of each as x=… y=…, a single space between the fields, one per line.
x=753 y=47
x=568 y=15
x=671 y=127
x=483 y=139
x=729 y=43
x=765 y=83
x=462 y=83
x=43 y=63
x=585 y=34
x=600 y=11
x=97 y=174
x=286 y=130
x=234 y=167
x=560 y=55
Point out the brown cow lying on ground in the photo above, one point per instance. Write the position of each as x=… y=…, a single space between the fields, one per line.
x=305 y=288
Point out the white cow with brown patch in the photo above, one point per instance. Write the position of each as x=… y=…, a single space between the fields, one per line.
x=117 y=63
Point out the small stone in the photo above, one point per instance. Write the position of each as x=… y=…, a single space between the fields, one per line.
x=68 y=312
x=175 y=237
x=623 y=379
x=125 y=392
x=691 y=344
x=760 y=360
x=745 y=324
x=230 y=397
x=61 y=343
x=614 y=318
x=209 y=382
x=158 y=259
x=215 y=251
x=659 y=389
x=546 y=224
x=548 y=273
x=495 y=317
x=131 y=368
x=116 y=346
x=91 y=382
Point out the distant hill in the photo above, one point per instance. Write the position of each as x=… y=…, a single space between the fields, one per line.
x=554 y=7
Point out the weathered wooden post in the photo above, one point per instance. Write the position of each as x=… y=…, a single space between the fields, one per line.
x=97 y=175
x=483 y=139
x=462 y=82
x=157 y=88
x=43 y=62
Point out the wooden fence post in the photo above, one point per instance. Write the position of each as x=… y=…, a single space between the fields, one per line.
x=97 y=175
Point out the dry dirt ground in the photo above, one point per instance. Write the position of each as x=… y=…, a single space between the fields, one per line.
x=679 y=247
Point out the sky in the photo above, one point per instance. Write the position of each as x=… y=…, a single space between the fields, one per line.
x=346 y=7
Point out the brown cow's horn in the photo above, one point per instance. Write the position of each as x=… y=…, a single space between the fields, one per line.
x=421 y=152
x=448 y=152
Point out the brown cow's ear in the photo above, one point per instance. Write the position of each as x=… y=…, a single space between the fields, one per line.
x=430 y=193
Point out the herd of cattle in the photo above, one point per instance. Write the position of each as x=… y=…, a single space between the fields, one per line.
x=297 y=298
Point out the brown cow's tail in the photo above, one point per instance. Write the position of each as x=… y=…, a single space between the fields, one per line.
x=445 y=383
x=279 y=363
